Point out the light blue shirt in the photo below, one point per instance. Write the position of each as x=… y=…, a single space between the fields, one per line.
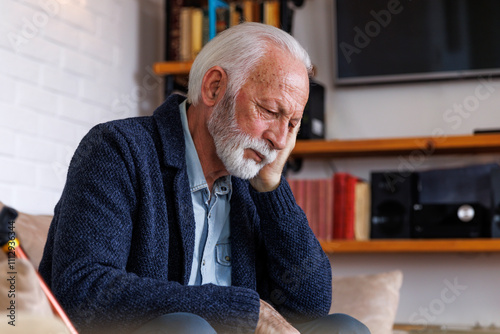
x=212 y=245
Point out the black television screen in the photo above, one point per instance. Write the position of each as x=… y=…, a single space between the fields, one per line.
x=407 y=40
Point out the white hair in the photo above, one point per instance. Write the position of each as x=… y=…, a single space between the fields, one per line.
x=237 y=51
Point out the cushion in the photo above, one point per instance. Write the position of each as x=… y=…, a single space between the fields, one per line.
x=372 y=299
x=27 y=295
x=25 y=309
x=30 y=311
x=32 y=230
x=31 y=324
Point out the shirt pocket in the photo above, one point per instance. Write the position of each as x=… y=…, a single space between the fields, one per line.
x=223 y=254
x=223 y=264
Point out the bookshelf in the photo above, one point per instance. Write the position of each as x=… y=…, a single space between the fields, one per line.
x=172 y=67
x=468 y=144
x=190 y=24
x=411 y=246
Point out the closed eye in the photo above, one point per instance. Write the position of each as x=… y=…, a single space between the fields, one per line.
x=268 y=111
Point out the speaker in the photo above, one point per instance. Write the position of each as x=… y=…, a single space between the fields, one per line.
x=313 y=119
x=467 y=184
x=393 y=196
x=459 y=220
x=495 y=203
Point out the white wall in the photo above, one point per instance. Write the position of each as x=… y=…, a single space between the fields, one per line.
x=66 y=65
x=398 y=110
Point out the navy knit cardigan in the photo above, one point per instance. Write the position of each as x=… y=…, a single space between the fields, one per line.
x=120 y=246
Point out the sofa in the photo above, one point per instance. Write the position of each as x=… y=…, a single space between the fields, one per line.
x=371 y=298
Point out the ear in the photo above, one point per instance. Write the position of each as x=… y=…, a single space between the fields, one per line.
x=213 y=86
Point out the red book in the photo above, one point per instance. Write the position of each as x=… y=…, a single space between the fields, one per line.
x=344 y=185
x=173 y=29
x=339 y=186
x=350 y=206
x=329 y=210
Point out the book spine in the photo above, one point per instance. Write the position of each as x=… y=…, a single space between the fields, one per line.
x=173 y=29
x=271 y=13
x=339 y=205
x=185 y=35
x=329 y=210
x=349 y=211
x=362 y=209
x=196 y=31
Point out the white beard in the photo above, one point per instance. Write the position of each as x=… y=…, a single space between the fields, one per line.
x=231 y=142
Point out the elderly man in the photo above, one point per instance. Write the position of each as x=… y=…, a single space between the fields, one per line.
x=182 y=222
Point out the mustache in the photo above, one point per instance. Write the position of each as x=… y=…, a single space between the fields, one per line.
x=260 y=145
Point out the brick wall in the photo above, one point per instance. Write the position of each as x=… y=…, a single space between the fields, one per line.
x=66 y=65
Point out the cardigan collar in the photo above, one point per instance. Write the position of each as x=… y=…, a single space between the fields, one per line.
x=173 y=148
x=169 y=127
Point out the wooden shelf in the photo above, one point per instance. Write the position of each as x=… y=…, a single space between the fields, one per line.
x=472 y=144
x=412 y=246
x=172 y=67
x=482 y=143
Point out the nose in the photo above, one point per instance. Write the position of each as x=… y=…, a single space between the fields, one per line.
x=277 y=134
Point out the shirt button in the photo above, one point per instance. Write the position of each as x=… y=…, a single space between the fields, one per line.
x=223 y=188
x=203 y=262
x=228 y=258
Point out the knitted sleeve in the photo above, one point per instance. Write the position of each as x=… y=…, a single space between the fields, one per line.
x=87 y=253
x=298 y=274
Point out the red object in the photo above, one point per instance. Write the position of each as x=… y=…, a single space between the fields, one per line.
x=344 y=185
x=56 y=307
x=339 y=205
x=350 y=207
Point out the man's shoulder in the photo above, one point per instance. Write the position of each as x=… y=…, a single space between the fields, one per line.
x=141 y=127
x=129 y=130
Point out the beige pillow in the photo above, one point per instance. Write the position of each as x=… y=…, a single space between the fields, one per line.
x=20 y=285
x=372 y=299
x=32 y=232
x=35 y=324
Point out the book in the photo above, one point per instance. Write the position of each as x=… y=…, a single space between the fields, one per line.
x=197 y=17
x=185 y=33
x=362 y=210
x=344 y=205
x=349 y=210
x=235 y=13
x=337 y=207
x=329 y=210
x=339 y=186
x=271 y=13
x=249 y=10
x=222 y=19
x=322 y=208
x=172 y=30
